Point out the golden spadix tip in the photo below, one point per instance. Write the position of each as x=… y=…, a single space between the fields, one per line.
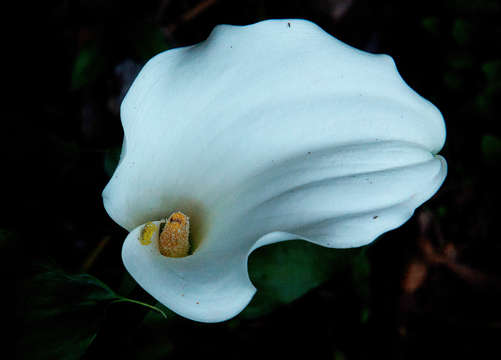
x=174 y=238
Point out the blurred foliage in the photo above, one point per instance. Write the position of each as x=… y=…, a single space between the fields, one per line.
x=491 y=148
x=462 y=31
x=148 y=41
x=488 y=98
x=431 y=24
x=88 y=64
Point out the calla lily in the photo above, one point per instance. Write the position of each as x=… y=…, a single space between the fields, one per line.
x=265 y=133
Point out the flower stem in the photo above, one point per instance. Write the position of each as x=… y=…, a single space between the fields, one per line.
x=123 y=299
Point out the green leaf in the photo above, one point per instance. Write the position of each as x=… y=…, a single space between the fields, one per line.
x=61 y=314
x=283 y=272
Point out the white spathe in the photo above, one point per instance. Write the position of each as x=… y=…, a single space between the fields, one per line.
x=264 y=133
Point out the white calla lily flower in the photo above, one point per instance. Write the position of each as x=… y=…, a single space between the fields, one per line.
x=265 y=133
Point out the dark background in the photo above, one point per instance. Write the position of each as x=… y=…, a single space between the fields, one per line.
x=434 y=286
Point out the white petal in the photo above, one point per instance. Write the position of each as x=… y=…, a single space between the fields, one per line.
x=260 y=134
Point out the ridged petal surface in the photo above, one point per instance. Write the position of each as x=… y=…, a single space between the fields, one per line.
x=264 y=133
